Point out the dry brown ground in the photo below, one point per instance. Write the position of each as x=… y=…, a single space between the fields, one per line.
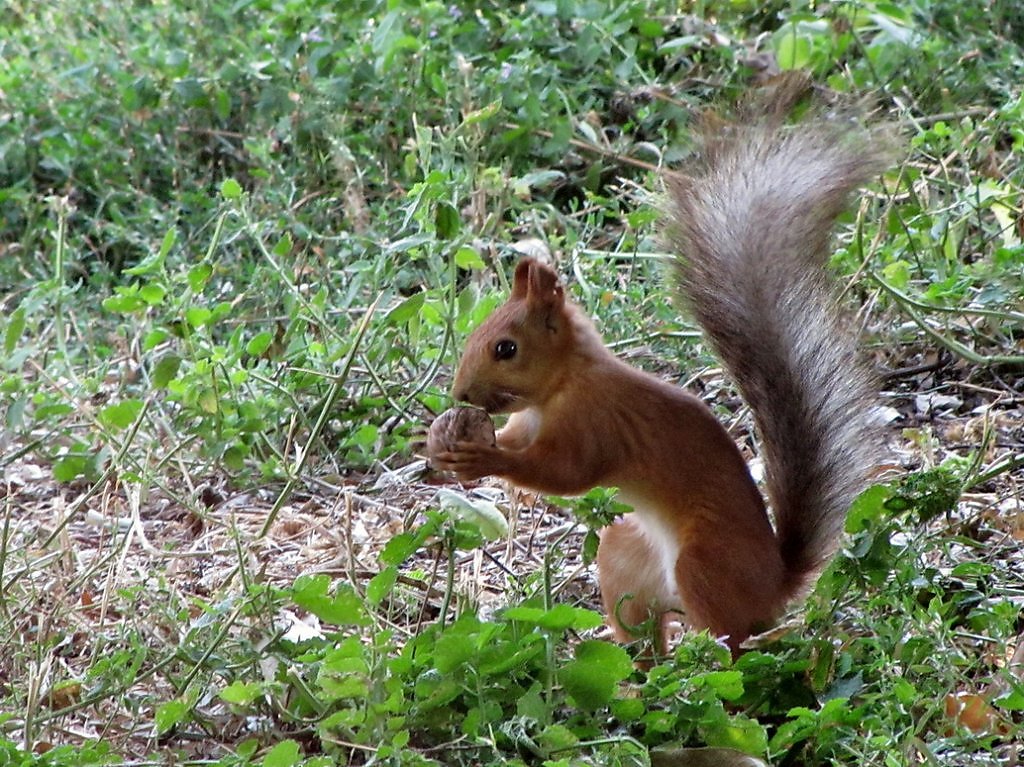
x=89 y=572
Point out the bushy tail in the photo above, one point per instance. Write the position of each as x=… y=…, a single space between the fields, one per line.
x=751 y=222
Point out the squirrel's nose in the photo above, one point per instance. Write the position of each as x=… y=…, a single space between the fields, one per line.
x=461 y=395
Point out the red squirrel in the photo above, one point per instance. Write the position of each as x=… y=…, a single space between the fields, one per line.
x=749 y=223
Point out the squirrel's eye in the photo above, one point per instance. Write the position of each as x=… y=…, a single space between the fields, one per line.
x=505 y=349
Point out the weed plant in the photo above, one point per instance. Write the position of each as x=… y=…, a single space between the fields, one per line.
x=240 y=247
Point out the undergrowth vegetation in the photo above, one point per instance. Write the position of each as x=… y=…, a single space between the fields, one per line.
x=240 y=247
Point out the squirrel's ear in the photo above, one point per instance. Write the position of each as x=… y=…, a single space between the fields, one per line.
x=521 y=280
x=543 y=288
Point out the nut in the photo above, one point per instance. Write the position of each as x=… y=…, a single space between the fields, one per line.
x=459 y=424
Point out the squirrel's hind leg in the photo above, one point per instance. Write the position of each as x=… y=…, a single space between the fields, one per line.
x=733 y=597
x=635 y=586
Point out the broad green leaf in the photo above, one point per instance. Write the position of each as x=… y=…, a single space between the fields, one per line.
x=120 y=415
x=457 y=645
x=284 y=245
x=867 y=507
x=1011 y=701
x=650 y=28
x=198 y=276
x=343 y=608
x=240 y=693
x=381 y=585
x=153 y=339
x=198 y=316
x=124 y=303
x=468 y=258
x=165 y=370
x=407 y=309
x=446 y=221
x=70 y=467
x=15 y=328
x=259 y=343
x=230 y=189
x=559 y=618
x=284 y=754
x=792 y=48
x=207 y=401
x=170 y=715
x=152 y=294
x=365 y=435
x=728 y=684
x=593 y=677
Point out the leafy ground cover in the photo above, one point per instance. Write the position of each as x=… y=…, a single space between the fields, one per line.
x=240 y=245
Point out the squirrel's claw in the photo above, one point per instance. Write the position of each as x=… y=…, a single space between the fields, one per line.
x=470 y=460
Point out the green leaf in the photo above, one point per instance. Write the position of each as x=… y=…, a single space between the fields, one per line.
x=234 y=457
x=593 y=677
x=399 y=548
x=152 y=294
x=485 y=112
x=466 y=536
x=457 y=645
x=124 y=303
x=198 y=276
x=897 y=274
x=559 y=618
x=365 y=435
x=343 y=608
x=165 y=370
x=446 y=221
x=404 y=545
x=53 y=411
x=407 y=309
x=650 y=28
x=867 y=507
x=381 y=585
x=153 y=339
x=468 y=258
x=284 y=754
x=591 y=543
x=207 y=401
x=972 y=570
x=156 y=261
x=558 y=737
x=197 y=316
x=628 y=709
x=539 y=179
x=344 y=686
x=14 y=331
x=792 y=49
x=284 y=246
x=259 y=343
x=240 y=693
x=71 y=467
x=121 y=415
x=727 y=685
x=170 y=715
x=230 y=189
x=1012 y=700
x=737 y=731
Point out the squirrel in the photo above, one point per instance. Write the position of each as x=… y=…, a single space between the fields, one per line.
x=749 y=225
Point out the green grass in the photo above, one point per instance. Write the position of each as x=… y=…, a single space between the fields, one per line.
x=240 y=248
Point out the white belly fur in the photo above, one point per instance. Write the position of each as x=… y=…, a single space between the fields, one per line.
x=662 y=542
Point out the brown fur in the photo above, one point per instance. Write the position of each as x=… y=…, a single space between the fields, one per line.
x=751 y=224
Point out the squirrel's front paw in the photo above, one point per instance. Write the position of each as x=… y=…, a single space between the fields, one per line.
x=456 y=440
x=470 y=460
